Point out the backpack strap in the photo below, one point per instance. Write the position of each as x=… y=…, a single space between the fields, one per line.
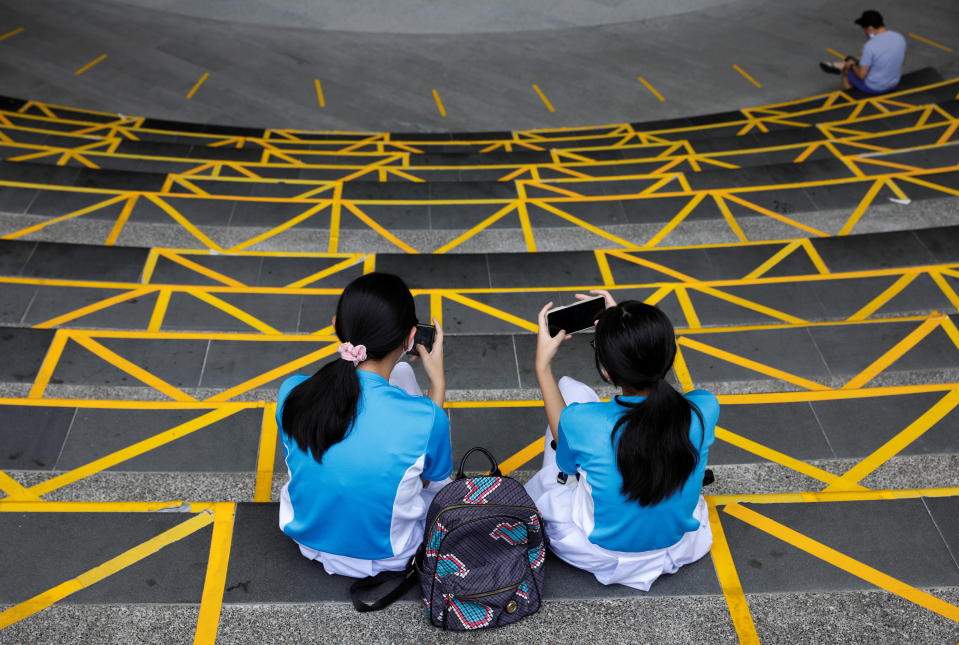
x=406 y=580
x=494 y=469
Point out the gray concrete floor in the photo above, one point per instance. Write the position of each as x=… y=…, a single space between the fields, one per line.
x=264 y=76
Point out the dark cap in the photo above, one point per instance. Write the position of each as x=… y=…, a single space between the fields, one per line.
x=869 y=18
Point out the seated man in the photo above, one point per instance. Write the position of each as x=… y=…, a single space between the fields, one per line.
x=879 y=69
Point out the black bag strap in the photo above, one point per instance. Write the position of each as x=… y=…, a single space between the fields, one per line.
x=494 y=469
x=406 y=578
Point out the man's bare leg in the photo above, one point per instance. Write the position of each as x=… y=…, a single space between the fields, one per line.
x=844 y=75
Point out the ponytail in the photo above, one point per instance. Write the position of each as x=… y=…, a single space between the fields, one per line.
x=375 y=310
x=635 y=347
x=319 y=411
x=654 y=455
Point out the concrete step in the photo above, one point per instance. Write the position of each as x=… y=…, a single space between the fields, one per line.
x=115 y=450
x=270 y=593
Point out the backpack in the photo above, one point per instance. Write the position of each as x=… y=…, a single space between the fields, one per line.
x=481 y=564
x=481 y=561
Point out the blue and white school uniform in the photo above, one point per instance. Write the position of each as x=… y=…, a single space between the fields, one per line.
x=362 y=510
x=591 y=524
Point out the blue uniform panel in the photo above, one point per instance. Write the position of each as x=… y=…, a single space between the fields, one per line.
x=619 y=524
x=345 y=505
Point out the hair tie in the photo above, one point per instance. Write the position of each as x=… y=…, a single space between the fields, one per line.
x=353 y=353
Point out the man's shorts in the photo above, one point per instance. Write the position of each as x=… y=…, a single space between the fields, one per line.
x=860 y=84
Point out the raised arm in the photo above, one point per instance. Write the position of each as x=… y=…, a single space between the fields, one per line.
x=434 y=367
x=546 y=348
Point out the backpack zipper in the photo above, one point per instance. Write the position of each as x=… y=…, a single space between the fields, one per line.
x=490 y=593
x=532 y=509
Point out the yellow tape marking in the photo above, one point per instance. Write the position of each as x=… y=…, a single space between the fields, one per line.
x=750 y=364
x=149 y=266
x=775 y=215
x=93 y=62
x=773 y=261
x=211 y=602
x=94 y=307
x=777 y=457
x=49 y=364
x=584 y=224
x=542 y=97
x=729 y=581
x=603 y=263
x=335 y=214
x=319 y=92
x=199 y=268
x=677 y=220
x=134 y=450
x=130 y=368
x=527 y=403
x=319 y=275
x=495 y=217
x=523 y=212
x=844 y=562
x=275 y=373
x=15 y=490
x=807 y=497
x=43 y=600
x=234 y=311
x=747 y=76
x=888 y=294
x=11 y=34
x=951 y=130
x=946 y=289
x=814 y=256
x=930 y=42
x=749 y=304
x=266 y=455
x=436 y=308
x=652 y=89
x=491 y=311
x=529 y=452
x=622 y=255
x=692 y=320
x=730 y=219
x=290 y=223
x=682 y=371
x=439 y=103
x=369 y=221
x=929 y=184
x=199 y=82
x=63 y=218
x=861 y=208
x=159 y=309
x=184 y=222
x=121 y=221
x=894 y=353
x=895 y=445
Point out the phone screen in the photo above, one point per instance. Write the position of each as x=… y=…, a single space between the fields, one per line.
x=575 y=317
x=424 y=336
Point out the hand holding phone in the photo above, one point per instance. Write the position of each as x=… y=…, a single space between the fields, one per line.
x=428 y=347
x=425 y=335
x=575 y=317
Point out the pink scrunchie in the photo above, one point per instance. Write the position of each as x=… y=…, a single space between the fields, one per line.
x=355 y=354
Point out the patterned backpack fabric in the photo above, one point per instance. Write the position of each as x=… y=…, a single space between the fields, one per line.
x=481 y=564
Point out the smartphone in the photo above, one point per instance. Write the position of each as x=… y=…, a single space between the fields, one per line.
x=424 y=336
x=575 y=317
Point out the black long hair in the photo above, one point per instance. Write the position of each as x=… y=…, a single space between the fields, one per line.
x=636 y=344
x=375 y=310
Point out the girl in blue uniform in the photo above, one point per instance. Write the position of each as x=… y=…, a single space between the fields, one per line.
x=621 y=483
x=365 y=450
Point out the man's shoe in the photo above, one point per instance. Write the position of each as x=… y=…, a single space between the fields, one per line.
x=829 y=68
